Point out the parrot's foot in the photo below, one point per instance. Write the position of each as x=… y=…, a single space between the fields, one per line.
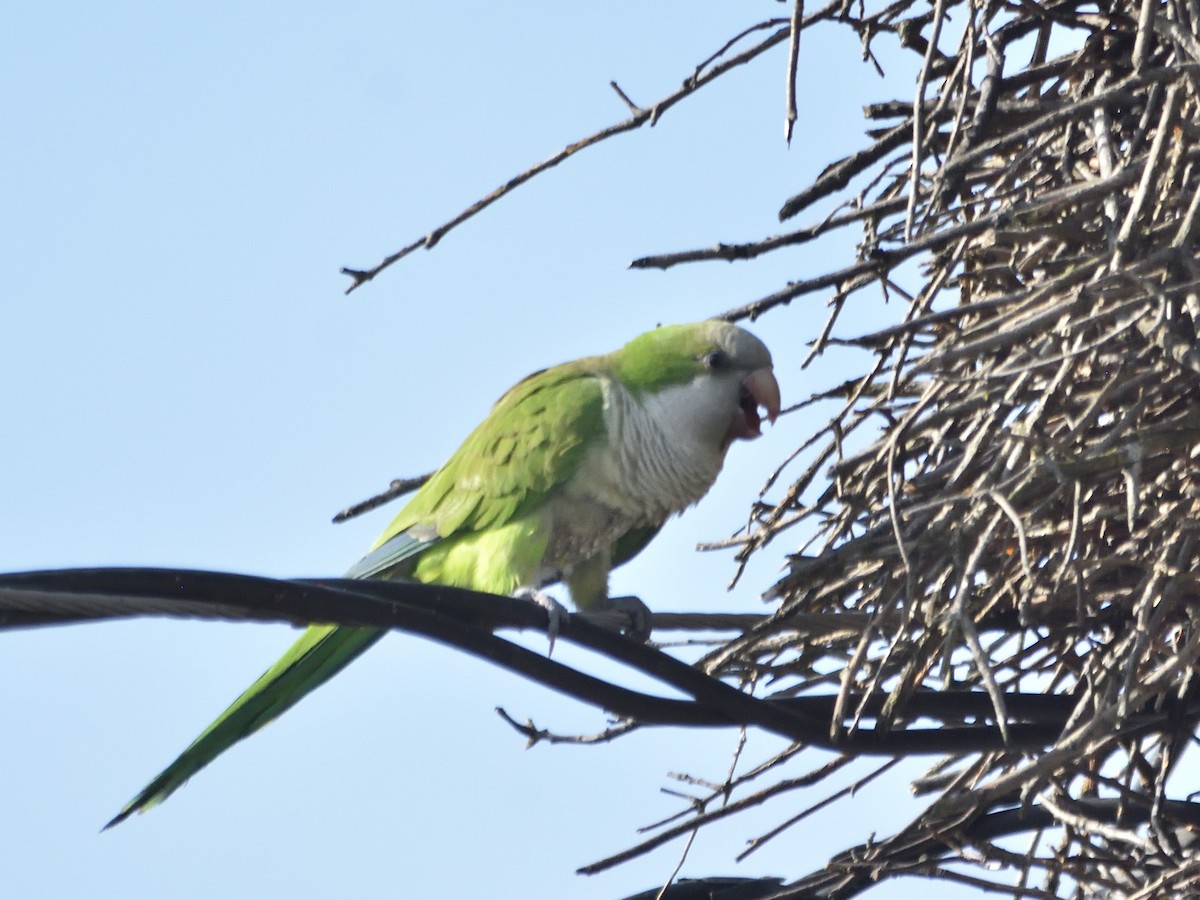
x=555 y=611
x=639 y=616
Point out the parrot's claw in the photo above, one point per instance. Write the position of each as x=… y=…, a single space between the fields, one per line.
x=640 y=617
x=555 y=611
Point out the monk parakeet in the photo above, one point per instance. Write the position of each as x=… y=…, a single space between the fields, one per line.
x=573 y=471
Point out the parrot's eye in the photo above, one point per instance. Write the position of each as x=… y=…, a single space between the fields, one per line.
x=718 y=359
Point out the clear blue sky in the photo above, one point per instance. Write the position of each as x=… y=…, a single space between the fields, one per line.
x=186 y=385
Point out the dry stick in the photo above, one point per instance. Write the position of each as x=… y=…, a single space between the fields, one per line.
x=683 y=855
x=837 y=176
x=918 y=306
x=535 y=735
x=1151 y=112
x=1173 y=32
x=847 y=791
x=700 y=820
x=985 y=108
x=633 y=107
x=967 y=54
x=636 y=120
x=918 y=137
x=1106 y=156
x=1171 y=884
x=792 y=66
x=752 y=249
x=1166 y=125
x=722 y=791
x=966 y=625
x=1187 y=227
x=398 y=488
x=728 y=45
x=923 y=323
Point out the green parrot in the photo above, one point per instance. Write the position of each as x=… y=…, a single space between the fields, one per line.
x=573 y=471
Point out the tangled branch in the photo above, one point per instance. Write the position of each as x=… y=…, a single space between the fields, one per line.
x=1018 y=518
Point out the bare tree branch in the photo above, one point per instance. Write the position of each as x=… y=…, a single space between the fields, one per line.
x=705 y=73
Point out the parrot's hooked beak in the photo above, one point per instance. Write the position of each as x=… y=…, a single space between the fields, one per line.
x=759 y=388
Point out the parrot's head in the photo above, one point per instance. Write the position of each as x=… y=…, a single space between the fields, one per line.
x=710 y=379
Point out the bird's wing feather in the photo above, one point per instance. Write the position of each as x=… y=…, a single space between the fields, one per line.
x=387 y=556
x=532 y=442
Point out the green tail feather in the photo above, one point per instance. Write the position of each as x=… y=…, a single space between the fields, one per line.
x=320 y=653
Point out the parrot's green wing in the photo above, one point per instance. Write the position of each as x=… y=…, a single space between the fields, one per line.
x=531 y=442
x=390 y=554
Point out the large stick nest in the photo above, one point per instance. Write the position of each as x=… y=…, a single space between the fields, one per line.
x=1018 y=511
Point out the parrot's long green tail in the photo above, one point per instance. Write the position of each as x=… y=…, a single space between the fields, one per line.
x=320 y=653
